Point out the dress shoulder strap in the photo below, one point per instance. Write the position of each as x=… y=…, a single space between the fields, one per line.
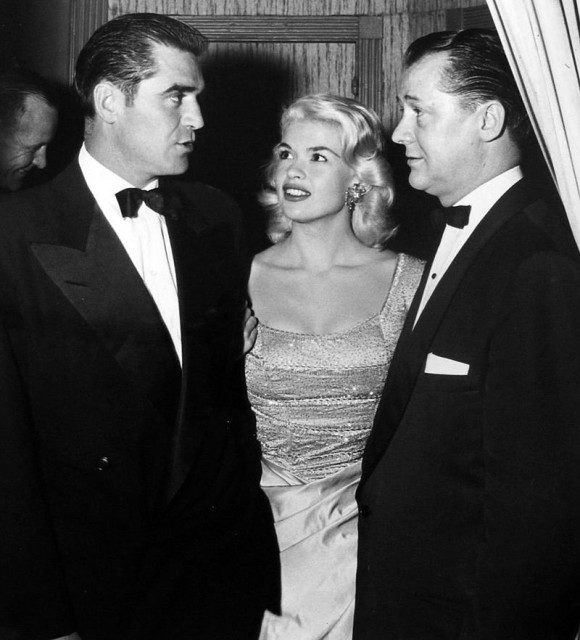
x=406 y=279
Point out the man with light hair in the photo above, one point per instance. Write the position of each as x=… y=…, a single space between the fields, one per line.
x=28 y=119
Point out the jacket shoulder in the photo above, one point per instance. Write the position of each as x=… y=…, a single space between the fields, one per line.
x=205 y=198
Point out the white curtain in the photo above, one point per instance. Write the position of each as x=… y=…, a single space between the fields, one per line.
x=541 y=39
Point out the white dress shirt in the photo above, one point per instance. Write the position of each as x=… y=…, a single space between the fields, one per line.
x=145 y=239
x=481 y=200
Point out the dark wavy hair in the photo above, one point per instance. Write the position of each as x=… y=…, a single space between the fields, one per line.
x=121 y=52
x=477 y=71
x=362 y=149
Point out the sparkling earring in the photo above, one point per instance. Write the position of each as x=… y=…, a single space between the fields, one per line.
x=353 y=196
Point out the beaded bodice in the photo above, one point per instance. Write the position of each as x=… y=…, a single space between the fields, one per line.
x=315 y=396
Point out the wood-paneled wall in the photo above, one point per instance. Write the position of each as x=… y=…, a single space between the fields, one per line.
x=403 y=21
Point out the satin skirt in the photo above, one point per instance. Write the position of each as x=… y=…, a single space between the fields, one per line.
x=316 y=524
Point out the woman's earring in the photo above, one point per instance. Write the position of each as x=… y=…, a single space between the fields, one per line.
x=353 y=196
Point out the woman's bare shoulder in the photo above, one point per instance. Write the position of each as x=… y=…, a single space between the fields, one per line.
x=267 y=257
x=276 y=257
x=268 y=271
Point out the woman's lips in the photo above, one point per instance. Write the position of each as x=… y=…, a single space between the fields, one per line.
x=294 y=194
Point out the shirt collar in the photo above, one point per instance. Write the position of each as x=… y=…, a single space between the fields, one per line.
x=482 y=199
x=103 y=182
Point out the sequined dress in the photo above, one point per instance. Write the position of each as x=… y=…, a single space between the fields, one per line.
x=315 y=397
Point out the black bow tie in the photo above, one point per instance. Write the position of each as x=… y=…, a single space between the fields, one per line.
x=131 y=199
x=453 y=216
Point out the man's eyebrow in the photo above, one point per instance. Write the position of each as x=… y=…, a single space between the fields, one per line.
x=181 y=88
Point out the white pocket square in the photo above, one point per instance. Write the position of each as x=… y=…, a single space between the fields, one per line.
x=445 y=366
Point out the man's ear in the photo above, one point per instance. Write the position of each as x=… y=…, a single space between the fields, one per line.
x=108 y=100
x=492 y=120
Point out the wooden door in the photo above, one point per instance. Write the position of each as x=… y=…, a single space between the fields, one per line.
x=256 y=65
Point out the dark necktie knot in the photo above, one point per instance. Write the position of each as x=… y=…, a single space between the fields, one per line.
x=457 y=216
x=156 y=199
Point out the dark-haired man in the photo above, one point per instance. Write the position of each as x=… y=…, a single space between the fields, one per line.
x=469 y=514
x=28 y=119
x=129 y=465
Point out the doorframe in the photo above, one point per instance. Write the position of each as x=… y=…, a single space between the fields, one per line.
x=366 y=32
x=85 y=17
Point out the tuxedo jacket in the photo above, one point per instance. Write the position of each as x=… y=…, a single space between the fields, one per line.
x=469 y=502
x=129 y=488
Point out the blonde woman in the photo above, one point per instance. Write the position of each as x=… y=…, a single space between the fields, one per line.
x=331 y=303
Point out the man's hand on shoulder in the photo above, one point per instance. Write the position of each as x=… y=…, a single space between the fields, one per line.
x=250 y=329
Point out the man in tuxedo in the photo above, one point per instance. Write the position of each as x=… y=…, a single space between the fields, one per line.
x=469 y=510
x=130 y=468
x=28 y=118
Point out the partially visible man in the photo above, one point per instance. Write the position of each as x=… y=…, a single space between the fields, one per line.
x=129 y=465
x=28 y=119
x=469 y=513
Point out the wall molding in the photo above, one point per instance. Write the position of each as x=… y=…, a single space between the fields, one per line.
x=469 y=18
x=366 y=32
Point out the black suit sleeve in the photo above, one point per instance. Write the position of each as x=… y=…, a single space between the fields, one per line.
x=32 y=594
x=237 y=396
x=529 y=568
x=33 y=599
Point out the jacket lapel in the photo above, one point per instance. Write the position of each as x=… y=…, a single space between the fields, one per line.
x=211 y=301
x=83 y=256
x=185 y=255
x=193 y=256
x=414 y=343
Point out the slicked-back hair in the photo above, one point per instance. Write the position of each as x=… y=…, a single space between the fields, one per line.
x=477 y=71
x=121 y=51
x=362 y=137
x=16 y=84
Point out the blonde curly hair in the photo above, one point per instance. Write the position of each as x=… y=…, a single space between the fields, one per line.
x=362 y=137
